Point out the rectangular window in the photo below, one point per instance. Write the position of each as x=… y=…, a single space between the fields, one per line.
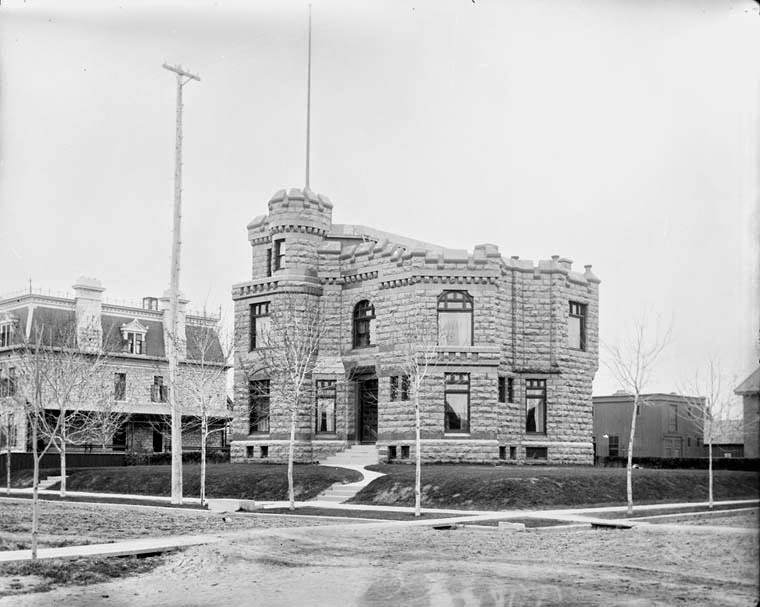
x=260 y=325
x=6 y=332
x=672 y=418
x=258 y=406
x=502 y=452
x=455 y=310
x=404 y=451
x=404 y=387
x=576 y=329
x=269 y=262
x=399 y=387
x=8 y=382
x=613 y=446
x=536 y=453
x=502 y=389
x=457 y=402
x=279 y=254
x=325 y=405
x=135 y=342
x=510 y=389
x=8 y=430
x=513 y=453
x=535 y=406
x=264 y=451
x=158 y=391
x=249 y=451
x=391 y=452
x=120 y=386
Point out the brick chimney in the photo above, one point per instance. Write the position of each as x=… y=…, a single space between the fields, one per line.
x=165 y=307
x=88 y=293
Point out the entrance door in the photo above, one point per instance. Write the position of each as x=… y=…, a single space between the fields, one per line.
x=367 y=431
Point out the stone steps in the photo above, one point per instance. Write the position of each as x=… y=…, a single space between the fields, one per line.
x=355 y=457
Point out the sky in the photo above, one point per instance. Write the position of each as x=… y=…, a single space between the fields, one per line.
x=615 y=133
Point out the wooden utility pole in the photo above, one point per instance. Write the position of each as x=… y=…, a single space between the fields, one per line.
x=308 y=101
x=183 y=78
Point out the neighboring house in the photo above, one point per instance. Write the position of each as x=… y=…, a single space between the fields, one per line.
x=133 y=339
x=517 y=344
x=727 y=438
x=663 y=426
x=749 y=390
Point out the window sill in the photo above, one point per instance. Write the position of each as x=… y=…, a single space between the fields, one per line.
x=330 y=435
x=456 y=435
x=535 y=434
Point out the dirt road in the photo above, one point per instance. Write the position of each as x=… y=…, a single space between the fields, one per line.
x=380 y=564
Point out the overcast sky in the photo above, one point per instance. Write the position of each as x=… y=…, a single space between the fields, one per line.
x=619 y=134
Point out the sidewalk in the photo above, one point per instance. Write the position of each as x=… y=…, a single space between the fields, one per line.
x=582 y=516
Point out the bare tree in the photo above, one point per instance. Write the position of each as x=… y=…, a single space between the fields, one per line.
x=416 y=351
x=56 y=379
x=286 y=354
x=201 y=385
x=8 y=411
x=632 y=364
x=709 y=409
x=102 y=419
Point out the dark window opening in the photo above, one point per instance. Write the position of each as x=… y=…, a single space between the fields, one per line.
x=260 y=325
x=158 y=391
x=513 y=453
x=404 y=451
x=535 y=406
x=613 y=446
x=269 y=262
x=455 y=318
x=536 y=453
x=404 y=387
x=391 y=452
x=249 y=451
x=258 y=406
x=264 y=451
x=279 y=255
x=457 y=402
x=502 y=389
x=510 y=389
x=158 y=441
x=325 y=405
x=394 y=387
x=364 y=314
x=576 y=327
x=502 y=453
x=119 y=439
x=120 y=386
x=8 y=382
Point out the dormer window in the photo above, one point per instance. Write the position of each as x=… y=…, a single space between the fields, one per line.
x=133 y=334
x=135 y=343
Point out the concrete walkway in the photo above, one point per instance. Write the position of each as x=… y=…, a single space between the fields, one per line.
x=125 y=548
x=356 y=457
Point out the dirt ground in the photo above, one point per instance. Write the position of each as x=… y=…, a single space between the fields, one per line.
x=378 y=564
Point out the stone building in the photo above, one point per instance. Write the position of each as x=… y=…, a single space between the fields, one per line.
x=132 y=338
x=749 y=390
x=516 y=345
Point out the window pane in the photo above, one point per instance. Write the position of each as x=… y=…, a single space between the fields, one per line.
x=534 y=419
x=455 y=419
x=574 y=332
x=326 y=414
x=454 y=329
x=263 y=326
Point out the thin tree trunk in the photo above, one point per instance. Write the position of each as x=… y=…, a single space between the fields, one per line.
x=710 y=473
x=291 y=492
x=8 y=461
x=35 y=491
x=204 y=435
x=63 y=465
x=418 y=471
x=629 y=467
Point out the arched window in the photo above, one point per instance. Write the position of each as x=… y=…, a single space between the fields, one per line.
x=455 y=318
x=364 y=314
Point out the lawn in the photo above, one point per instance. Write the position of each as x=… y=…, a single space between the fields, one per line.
x=513 y=487
x=244 y=481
